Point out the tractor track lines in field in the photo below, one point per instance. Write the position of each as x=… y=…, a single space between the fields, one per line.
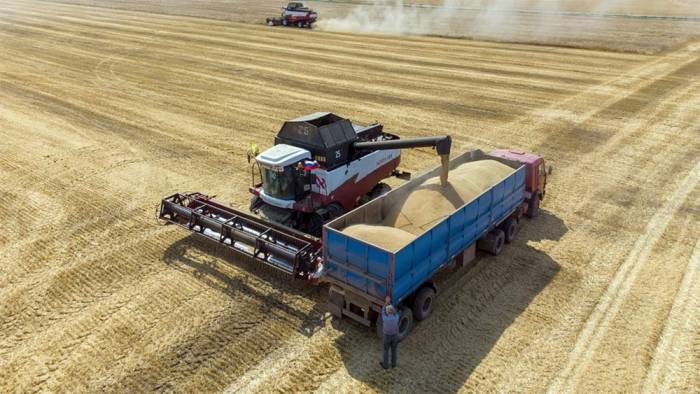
x=609 y=304
x=105 y=111
x=669 y=364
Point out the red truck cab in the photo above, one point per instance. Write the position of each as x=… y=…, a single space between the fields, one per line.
x=536 y=178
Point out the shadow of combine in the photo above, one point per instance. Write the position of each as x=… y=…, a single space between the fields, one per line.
x=475 y=306
x=202 y=258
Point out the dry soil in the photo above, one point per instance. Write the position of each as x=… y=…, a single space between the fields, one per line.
x=102 y=112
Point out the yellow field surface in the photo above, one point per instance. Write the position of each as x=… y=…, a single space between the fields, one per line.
x=637 y=26
x=104 y=111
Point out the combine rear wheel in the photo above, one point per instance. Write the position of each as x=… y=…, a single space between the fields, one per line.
x=335 y=210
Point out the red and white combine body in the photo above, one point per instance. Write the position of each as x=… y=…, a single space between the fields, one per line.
x=322 y=166
x=294 y=14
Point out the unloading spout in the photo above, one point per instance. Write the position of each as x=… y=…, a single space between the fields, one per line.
x=445 y=161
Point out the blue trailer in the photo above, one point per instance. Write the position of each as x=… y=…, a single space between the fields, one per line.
x=361 y=275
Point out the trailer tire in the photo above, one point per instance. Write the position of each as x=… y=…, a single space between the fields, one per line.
x=498 y=242
x=423 y=303
x=405 y=322
x=510 y=228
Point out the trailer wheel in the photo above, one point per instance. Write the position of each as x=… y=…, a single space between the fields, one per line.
x=423 y=304
x=492 y=242
x=405 y=322
x=510 y=228
x=499 y=241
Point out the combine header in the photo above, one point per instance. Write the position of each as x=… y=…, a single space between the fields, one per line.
x=286 y=249
x=294 y=14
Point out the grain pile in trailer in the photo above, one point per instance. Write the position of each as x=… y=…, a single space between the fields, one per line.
x=430 y=202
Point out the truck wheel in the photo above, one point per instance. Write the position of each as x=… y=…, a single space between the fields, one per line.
x=405 y=322
x=423 y=304
x=300 y=24
x=284 y=22
x=533 y=208
x=510 y=228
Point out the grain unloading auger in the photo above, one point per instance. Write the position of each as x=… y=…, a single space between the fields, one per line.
x=321 y=166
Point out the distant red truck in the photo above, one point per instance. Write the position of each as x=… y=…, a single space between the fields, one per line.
x=296 y=15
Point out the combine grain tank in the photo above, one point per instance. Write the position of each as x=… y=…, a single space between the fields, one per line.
x=363 y=274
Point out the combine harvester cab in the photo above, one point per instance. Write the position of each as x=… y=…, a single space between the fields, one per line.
x=362 y=274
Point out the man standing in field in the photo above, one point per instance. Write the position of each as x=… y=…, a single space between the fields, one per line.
x=390 y=328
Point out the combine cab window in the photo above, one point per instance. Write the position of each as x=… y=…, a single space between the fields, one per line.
x=279 y=184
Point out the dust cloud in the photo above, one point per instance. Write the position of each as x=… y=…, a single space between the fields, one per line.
x=503 y=20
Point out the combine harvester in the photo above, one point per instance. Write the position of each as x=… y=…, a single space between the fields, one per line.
x=323 y=166
x=294 y=14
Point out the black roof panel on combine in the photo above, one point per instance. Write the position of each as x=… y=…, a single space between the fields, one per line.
x=327 y=136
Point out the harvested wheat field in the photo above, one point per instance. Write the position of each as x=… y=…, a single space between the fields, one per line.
x=104 y=111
